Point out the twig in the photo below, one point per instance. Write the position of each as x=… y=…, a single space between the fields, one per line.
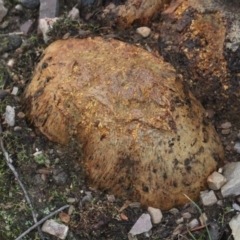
x=10 y=165
x=41 y=221
x=13 y=33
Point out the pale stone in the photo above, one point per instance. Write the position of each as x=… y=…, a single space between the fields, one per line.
x=226 y=125
x=74 y=14
x=235 y=226
x=174 y=211
x=144 y=31
x=14 y=91
x=10 y=115
x=186 y=215
x=48 y=8
x=235 y=207
x=208 y=198
x=231 y=172
x=156 y=215
x=56 y=229
x=3 y=11
x=142 y=225
x=216 y=181
x=180 y=220
x=237 y=147
x=194 y=223
x=44 y=25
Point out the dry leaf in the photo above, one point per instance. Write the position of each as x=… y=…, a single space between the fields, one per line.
x=64 y=217
x=123 y=217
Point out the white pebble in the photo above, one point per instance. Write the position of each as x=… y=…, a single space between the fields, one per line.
x=10 y=116
x=56 y=229
x=237 y=147
x=144 y=31
x=156 y=215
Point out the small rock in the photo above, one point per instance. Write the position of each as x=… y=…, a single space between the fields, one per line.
x=56 y=229
x=235 y=226
x=11 y=63
x=194 y=223
x=132 y=237
x=19 y=7
x=48 y=9
x=14 y=91
x=27 y=26
x=4 y=25
x=208 y=198
x=111 y=198
x=71 y=200
x=156 y=215
x=3 y=94
x=214 y=231
x=44 y=25
x=236 y=207
x=144 y=31
x=21 y=115
x=180 y=220
x=60 y=178
x=225 y=131
x=44 y=177
x=9 y=42
x=10 y=116
x=17 y=128
x=210 y=113
x=3 y=11
x=31 y=4
x=142 y=225
x=226 y=125
x=74 y=14
x=71 y=209
x=237 y=147
x=231 y=172
x=186 y=215
x=37 y=180
x=86 y=199
x=174 y=211
x=220 y=202
x=216 y=181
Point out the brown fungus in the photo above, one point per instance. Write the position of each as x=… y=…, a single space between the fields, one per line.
x=141 y=131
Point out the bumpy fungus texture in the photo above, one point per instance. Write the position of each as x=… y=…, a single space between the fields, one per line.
x=134 y=10
x=143 y=134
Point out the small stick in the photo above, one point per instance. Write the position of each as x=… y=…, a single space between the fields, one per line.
x=195 y=229
x=10 y=165
x=41 y=221
x=13 y=33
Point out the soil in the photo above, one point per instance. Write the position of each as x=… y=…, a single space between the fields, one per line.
x=55 y=176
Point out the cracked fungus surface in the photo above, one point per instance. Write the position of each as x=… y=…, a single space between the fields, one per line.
x=143 y=134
